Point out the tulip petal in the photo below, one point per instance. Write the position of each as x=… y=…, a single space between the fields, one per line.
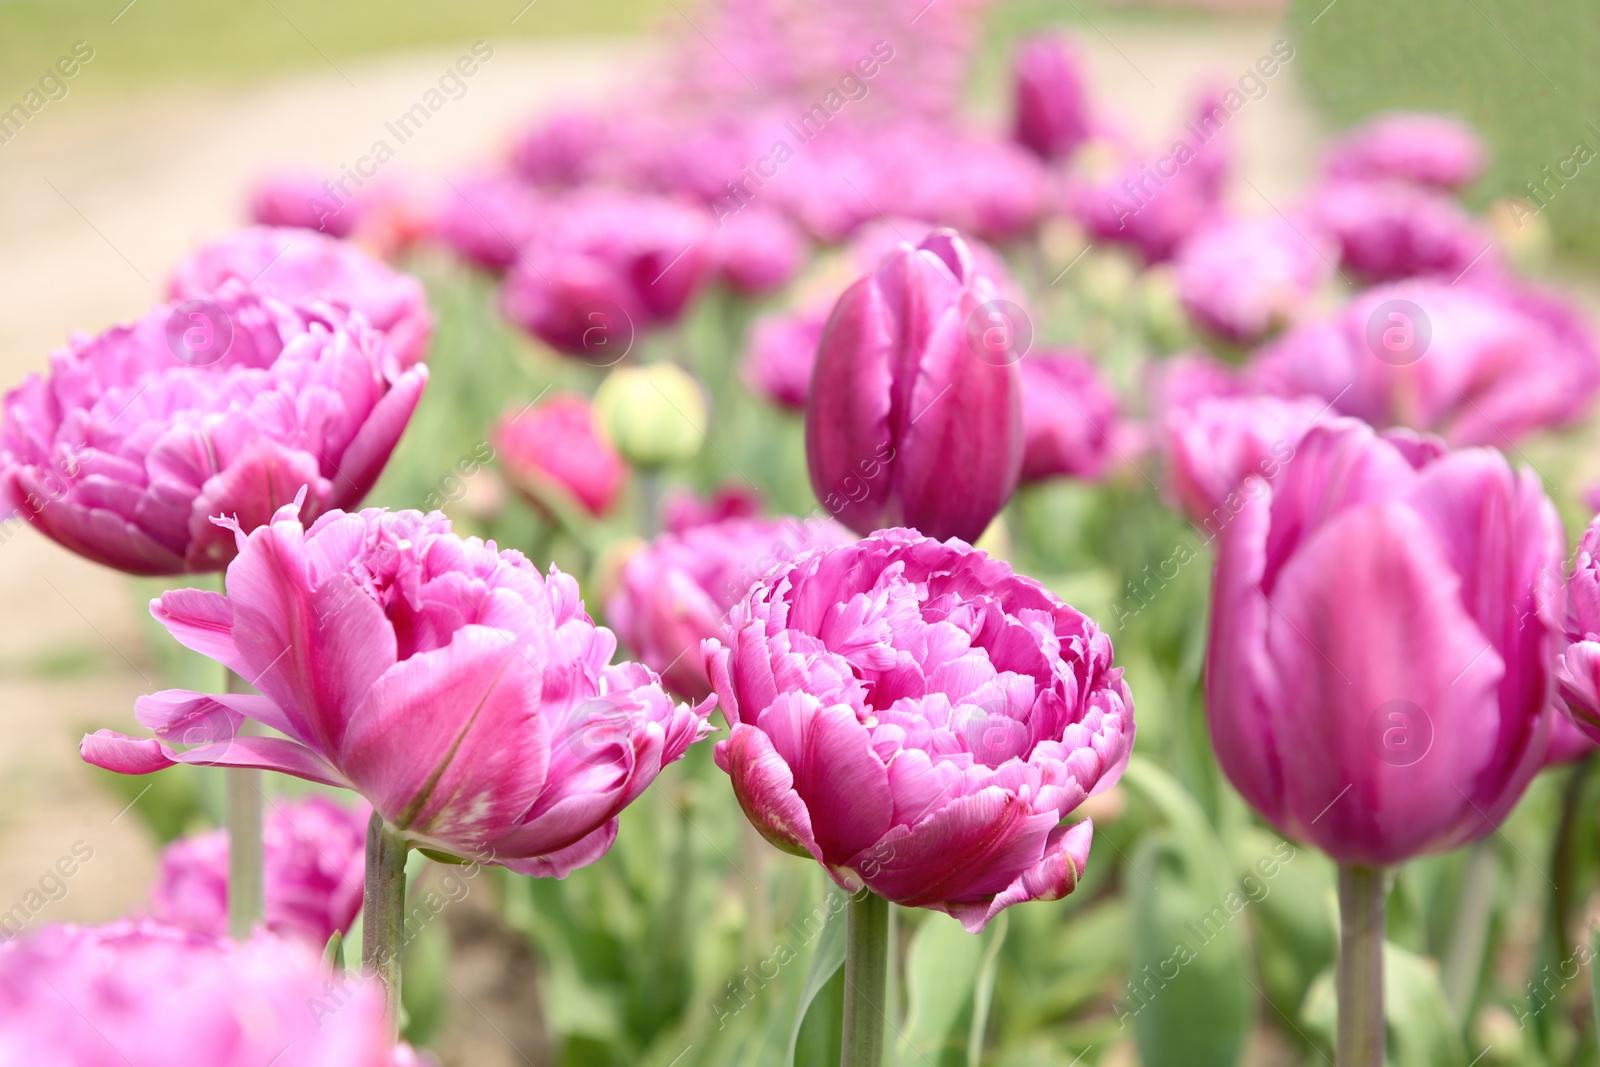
x=970 y=848
x=202 y=621
x=562 y=863
x=316 y=653
x=201 y=718
x=366 y=455
x=1066 y=854
x=1376 y=652
x=831 y=755
x=451 y=741
x=266 y=476
x=848 y=436
x=1579 y=670
x=764 y=786
x=123 y=754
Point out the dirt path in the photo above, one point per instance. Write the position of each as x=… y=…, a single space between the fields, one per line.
x=97 y=202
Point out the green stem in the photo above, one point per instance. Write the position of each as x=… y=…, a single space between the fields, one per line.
x=647 y=484
x=242 y=817
x=383 y=913
x=1360 y=977
x=866 y=973
x=1463 y=960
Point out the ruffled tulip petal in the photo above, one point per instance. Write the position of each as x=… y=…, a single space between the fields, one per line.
x=764 y=785
x=364 y=458
x=1066 y=855
x=250 y=491
x=449 y=741
x=202 y=621
x=125 y=755
x=562 y=863
x=1579 y=674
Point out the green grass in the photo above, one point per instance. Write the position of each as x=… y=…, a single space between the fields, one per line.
x=167 y=41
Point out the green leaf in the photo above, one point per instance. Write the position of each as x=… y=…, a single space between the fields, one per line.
x=941 y=972
x=1189 y=999
x=983 y=992
x=333 y=954
x=819 y=1018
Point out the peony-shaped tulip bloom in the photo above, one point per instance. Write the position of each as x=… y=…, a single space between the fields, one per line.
x=313 y=852
x=140 y=994
x=612 y=262
x=676 y=591
x=915 y=415
x=465 y=695
x=1383 y=641
x=921 y=721
x=1578 y=672
x=757 y=251
x=1433 y=150
x=1216 y=442
x=227 y=406
x=1477 y=364
x=1069 y=417
x=553 y=449
x=297 y=265
x=1051 y=106
x=1243 y=278
x=1387 y=230
x=783 y=356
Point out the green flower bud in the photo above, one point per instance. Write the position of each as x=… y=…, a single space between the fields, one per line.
x=655 y=415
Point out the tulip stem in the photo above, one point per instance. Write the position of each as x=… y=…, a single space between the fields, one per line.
x=241 y=815
x=383 y=913
x=866 y=979
x=1362 y=1033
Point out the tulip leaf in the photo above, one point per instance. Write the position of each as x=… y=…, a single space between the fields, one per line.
x=819 y=1018
x=983 y=992
x=942 y=966
x=1189 y=999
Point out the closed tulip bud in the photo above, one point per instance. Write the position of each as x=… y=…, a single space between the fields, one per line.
x=915 y=415
x=1052 y=112
x=1380 y=676
x=552 y=453
x=654 y=415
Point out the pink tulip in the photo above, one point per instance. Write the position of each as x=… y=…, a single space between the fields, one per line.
x=140 y=994
x=490 y=218
x=916 y=403
x=1050 y=99
x=466 y=696
x=223 y=407
x=1214 y=443
x=1382 y=643
x=295 y=265
x=616 y=262
x=682 y=510
x=921 y=721
x=302 y=201
x=1069 y=417
x=1427 y=149
x=1244 y=278
x=1478 y=364
x=1578 y=672
x=1387 y=230
x=757 y=251
x=783 y=355
x=313 y=863
x=973 y=182
x=566 y=149
x=676 y=591
x=553 y=447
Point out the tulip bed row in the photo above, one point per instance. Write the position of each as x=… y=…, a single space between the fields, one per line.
x=758 y=426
